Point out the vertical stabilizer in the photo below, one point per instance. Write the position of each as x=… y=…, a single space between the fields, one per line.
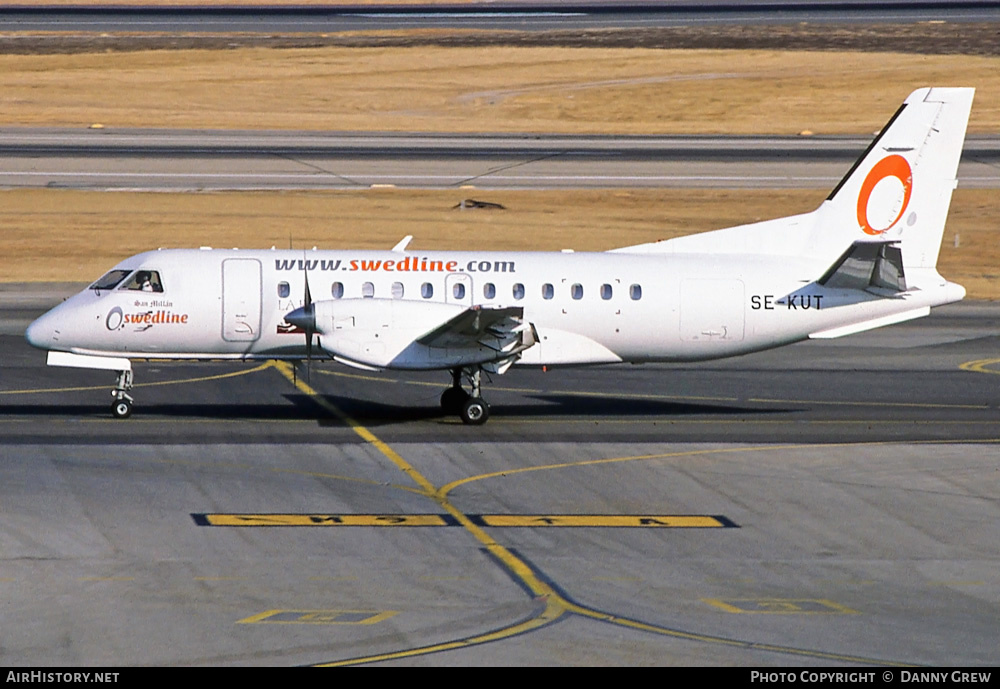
x=900 y=189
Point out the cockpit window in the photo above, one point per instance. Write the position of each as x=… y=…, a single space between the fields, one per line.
x=145 y=281
x=111 y=280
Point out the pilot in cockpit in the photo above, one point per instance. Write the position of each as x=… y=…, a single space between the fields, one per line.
x=146 y=281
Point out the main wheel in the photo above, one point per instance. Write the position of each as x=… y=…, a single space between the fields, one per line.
x=121 y=409
x=475 y=411
x=452 y=400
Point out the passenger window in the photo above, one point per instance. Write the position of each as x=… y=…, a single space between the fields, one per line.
x=337 y=290
x=576 y=291
x=284 y=290
x=397 y=290
x=635 y=292
x=458 y=290
x=427 y=290
x=606 y=292
x=145 y=281
x=489 y=290
x=518 y=291
x=367 y=290
x=548 y=291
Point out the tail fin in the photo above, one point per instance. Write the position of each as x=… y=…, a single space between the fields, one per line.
x=897 y=193
x=900 y=189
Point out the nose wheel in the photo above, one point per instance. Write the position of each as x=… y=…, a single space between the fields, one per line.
x=470 y=407
x=121 y=408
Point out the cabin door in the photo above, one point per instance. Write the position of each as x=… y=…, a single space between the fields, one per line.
x=241 y=299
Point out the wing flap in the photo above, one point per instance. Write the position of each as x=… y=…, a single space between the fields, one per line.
x=470 y=325
x=501 y=329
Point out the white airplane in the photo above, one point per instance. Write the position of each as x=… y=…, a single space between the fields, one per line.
x=865 y=258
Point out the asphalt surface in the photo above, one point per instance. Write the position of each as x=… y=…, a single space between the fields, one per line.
x=945 y=27
x=196 y=160
x=241 y=517
x=494 y=16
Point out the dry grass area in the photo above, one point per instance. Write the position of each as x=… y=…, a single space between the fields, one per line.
x=57 y=235
x=65 y=235
x=493 y=89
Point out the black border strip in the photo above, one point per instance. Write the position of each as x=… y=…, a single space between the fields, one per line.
x=868 y=150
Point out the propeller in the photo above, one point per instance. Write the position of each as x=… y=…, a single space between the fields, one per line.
x=305 y=317
x=311 y=321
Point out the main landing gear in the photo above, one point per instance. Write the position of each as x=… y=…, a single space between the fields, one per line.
x=121 y=408
x=472 y=408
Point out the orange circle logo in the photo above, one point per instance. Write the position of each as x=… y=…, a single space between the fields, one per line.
x=893 y=166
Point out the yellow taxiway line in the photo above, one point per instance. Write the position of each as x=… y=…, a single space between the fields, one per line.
x=552 y=604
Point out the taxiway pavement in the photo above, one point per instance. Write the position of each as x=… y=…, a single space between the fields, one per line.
x=245 y=515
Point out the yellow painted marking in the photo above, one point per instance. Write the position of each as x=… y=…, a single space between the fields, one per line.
x=500 y=520
x=183 y=381
x=780 y=606
x=550 y=611
x=981 y=366
x=830 y=403
x=447 y=488
x=848 y=582
x=553 y=606
x=325 y=520
x=106 y=579
x=730 y=580
x=607 y=520
x=666 y=420
x=319 y=617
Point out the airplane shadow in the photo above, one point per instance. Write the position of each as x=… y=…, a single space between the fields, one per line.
x=377 y=413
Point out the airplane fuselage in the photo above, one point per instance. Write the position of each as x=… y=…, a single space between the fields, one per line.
x=587 y=308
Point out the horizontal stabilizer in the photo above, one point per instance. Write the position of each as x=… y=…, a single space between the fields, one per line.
x=864 y=326
x=866 y=265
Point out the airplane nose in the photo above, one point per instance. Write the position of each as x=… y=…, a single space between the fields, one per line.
x=303 y=317
x=41 y=333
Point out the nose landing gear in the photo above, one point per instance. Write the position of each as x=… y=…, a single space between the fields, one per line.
x=121 y=408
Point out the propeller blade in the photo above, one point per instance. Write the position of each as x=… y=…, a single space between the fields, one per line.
x=308 y=296
x=311 y=325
